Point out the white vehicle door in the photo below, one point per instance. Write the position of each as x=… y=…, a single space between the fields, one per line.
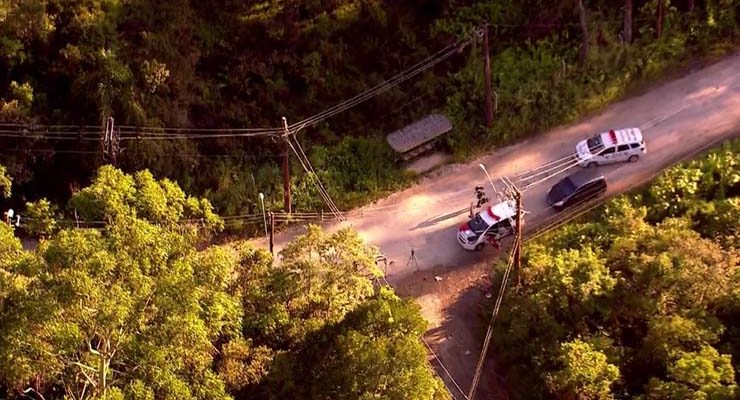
x=607 y=156
x=623 y=153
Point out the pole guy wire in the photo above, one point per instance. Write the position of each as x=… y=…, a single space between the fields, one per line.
x=316 y=181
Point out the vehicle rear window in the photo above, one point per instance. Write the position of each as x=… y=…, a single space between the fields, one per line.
x=635 y=145
x=563 y=188
x=594 y=143
x=623 y=147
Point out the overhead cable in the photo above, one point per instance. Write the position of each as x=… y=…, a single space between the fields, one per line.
x=317 y=182
x=494 y=314
x=384 y=86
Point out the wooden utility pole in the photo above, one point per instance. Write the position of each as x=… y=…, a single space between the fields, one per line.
x=487 y=76
x=272 y=231
x=584 y=28
x=518 y=247
x=286 y=169
x=513 y=261
x=659 y=20
x=628 y=21
x=110 y=141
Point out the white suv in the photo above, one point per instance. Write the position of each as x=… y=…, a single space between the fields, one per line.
x=613 y=146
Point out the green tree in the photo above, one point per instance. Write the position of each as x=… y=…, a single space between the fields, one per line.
x=704 y=374
x=375 y=352
x=133 y=310
x=315 y=328
x=114 y=194
x=321 y=278
x=670 y=335
x=646 y=294
x=584 y=374
x=243 y=364
x=5 y=182
x=40 y=218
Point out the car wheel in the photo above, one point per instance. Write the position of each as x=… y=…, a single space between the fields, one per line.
x=479 y=247
x=633 y=158
x=592 y=165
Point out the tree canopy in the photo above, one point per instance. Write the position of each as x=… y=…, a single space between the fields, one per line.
x=138 y=308
x=639 y=300
x=228 y=64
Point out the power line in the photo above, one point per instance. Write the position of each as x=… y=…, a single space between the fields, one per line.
x=58 y=129
x=131 y=132
x=97 y=152
x=557 y=164
x=384 y=86
x=308 y=162
x=439 y=361
x=197 y=136
x=562 y=219
x=559 y=171
x=523 y=175
x=494 y=314
x=436 y=358
x=48 y=136
x=154 y=129
x=316 y=181
x=92 y=133
x=74 y=129
x=50 y=151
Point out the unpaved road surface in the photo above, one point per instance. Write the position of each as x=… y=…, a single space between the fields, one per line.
x=678 y=119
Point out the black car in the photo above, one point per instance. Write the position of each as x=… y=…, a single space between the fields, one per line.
x=576 y=188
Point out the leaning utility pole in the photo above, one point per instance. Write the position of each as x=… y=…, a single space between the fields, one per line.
x=514 y=259
x=272 y=231
x=487 y=76
x=517 y=249
x=286 y=168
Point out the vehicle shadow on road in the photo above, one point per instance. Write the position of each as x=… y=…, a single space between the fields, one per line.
x=433 y=221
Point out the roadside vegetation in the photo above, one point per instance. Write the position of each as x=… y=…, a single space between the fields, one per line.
x=640 y=299
x=246 y=64
x=138 y=308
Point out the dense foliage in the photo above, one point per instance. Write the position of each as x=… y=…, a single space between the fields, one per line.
x=136 y=309
x=642 y=300
x=246 y=64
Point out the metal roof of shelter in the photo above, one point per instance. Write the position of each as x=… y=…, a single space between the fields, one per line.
x=419 y=132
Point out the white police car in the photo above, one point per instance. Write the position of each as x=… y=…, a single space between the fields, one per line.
x=494 y=223
x=613 y=146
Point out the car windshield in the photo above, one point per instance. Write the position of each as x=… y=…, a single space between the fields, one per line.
x=563 y=189
x=595 y=143
x=477 y=224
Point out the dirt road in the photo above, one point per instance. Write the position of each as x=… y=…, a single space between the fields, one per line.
x=677 y=119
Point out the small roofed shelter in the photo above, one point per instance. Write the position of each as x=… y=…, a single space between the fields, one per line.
x=420 y=136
